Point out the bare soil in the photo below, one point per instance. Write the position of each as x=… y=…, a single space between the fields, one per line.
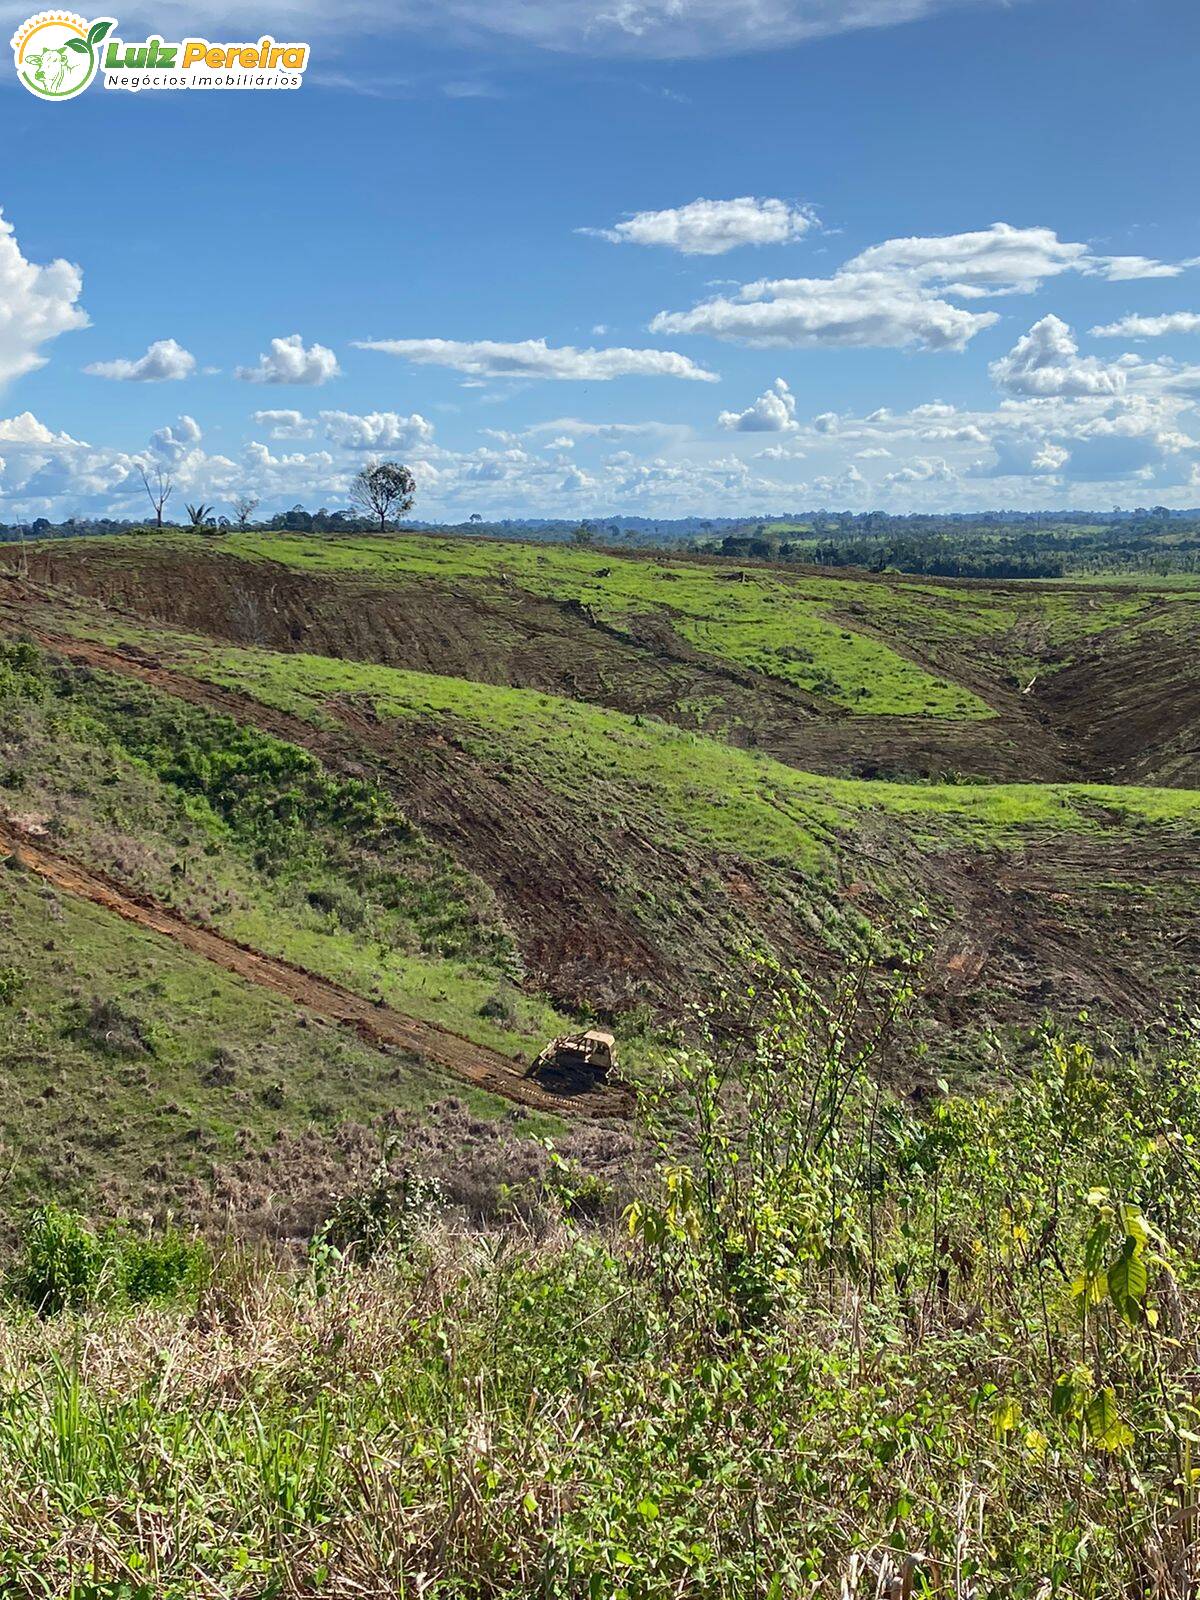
x=471 y=1063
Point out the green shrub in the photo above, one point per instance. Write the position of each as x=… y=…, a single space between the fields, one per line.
x=67 y=1265
x=161 y=1266
x=62 y=1262
x=386 y=1213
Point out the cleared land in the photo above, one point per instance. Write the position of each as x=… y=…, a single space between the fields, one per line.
x=503 y=789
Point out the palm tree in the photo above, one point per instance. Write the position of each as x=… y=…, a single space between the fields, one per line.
x=200 y=515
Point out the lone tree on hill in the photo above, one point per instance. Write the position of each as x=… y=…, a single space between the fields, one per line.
x=244 y=508
x=159 y=488
x=384 y=489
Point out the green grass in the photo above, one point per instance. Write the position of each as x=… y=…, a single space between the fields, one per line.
x=896 y=647
x=251 y=836
x=732 y=799
x=843 y=637
x=776 y=626
x=194 y=1067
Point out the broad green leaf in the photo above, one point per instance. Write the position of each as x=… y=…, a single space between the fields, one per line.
x=97 y=31
x=1127 y=1283
x=1005 y=1416
x=1104 y=1424
x=78 y=45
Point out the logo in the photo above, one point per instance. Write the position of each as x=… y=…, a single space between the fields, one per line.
x=57 y=54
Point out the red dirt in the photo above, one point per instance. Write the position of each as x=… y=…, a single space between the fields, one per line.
x=379 y=1025
x=1107 y=921
x=499 y=633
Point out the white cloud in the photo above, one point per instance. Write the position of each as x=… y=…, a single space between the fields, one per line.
x=534 y=358
x=289 y=361
x=923 y=470
x=851 y=308
x=711 y=227
x=778 y=452
x=26 y=429
x=580 y=429
x=773 y=412
x=1122 y=269
x=1050 y=458
x=376 y=430
x=902 y=292
x=36 y=305
x=1046 y=362
x=177 y=439
x=996 y=260
x=667 y=28
x=259 y=456
x=1138 y=327
x=284 y=424
x=165 y=360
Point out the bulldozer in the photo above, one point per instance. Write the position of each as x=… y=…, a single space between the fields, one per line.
x=576 y=1060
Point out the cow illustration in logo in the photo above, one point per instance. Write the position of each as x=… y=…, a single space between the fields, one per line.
x=57 y=53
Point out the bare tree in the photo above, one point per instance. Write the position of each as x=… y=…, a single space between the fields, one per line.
x=244 y=508
x=159 y=491
x=384 y=489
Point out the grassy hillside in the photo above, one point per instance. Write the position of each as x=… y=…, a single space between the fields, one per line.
x=139 y=1078
x=840 y=673
x=537 y=806
x=878 y=1275
x=634 y=860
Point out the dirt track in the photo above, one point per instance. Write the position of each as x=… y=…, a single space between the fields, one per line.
x=379 y=1025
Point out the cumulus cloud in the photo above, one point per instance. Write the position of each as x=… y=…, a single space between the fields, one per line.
x=26 y=429
x=856 y=309
x=773 y=412
x=290 y=361
x=1137 y=327
x=923 y=470
x=284 y=424
x=1050 y=458
x=711 y=227
x=534 y=358
x=1046 y=362
x=36 y=305
x=376 y=430
x=164 y=361
x=996 y=260
x=903 y=292
x=176 y=440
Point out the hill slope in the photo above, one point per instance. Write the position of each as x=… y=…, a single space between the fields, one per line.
x=623 y=771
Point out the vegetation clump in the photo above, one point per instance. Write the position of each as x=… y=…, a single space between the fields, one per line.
x=839 y=1346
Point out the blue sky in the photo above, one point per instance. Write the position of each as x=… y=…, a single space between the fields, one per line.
x=500 y=242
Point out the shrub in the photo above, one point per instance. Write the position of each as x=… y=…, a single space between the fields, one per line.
x=109 y=1027
x=62 y=1262
x=67 y=1265
x=163 y=1265
x=385 y=1213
